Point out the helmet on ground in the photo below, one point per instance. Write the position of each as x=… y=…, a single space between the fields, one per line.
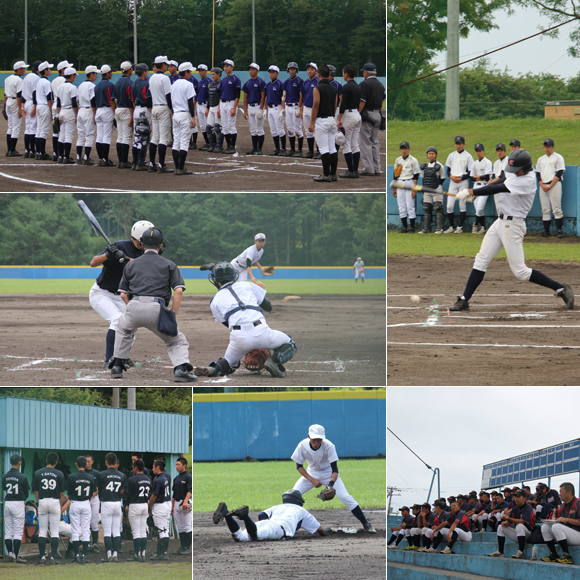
x=139 y=228
x=519 y=159
x=152 y=237
x=222 y=272
x=292 y=65
x=293 y=496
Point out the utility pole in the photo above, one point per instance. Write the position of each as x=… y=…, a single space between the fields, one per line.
x=116 y=392
x=390 y=493
x=135 y=31
x=131 y=398
x=452 y=83
x=253 y=30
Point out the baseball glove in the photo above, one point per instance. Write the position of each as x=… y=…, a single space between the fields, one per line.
x=255 y=359
x=186 y=507
x=150 y=521
x=4 y=114
x=398 y=171
x=56 y=125
x=268 y=270
x=327 y=494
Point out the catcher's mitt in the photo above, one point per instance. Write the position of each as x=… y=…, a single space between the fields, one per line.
x=268 y=270
x=56 y=125
x=327 y=494
x=398 y=171
x=255 y=359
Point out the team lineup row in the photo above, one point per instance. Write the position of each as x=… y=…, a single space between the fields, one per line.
x=145 y=498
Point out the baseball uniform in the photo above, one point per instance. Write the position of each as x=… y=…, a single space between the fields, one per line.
x=182 y=489
x=433 y=174
x=161 y=512
x=80 y=489
x=67 y=107
x=458 y=165
x=42 y=98
x=548 y=167
x=95 y=509
x=16 y=487
x=245 y=260
x=105 y=96
x=214 y=122
x=12 y=93
x=254 y=90
x=28 y=86
x=307 y=99
x=520 y=532
x=201 y=98
x=484 y=170
x=292 y=87
x=124 y=117
x=274 y=94
x=351 y=123
x=182 y=98
x=56 y=83
x=160 y=88
x=569 y=531
x=359 y=270
x=325 y=126
x=86 y=120
x=111 y=484
x=138 y=494
x=195 y=130
x=230 y=95
x=409 y=177
x=141 y=120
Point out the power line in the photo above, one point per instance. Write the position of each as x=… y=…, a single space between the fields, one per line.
x=428 y=466
x=400 y=475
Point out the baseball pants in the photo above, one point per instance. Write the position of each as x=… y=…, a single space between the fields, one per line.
x=427 y=532
x=181 y=130
x=201 y=118
x=479 y=202
x=405 y=200
x=370 y=153
x=357 y=272
x=551 y=201
x=161 y=125
x=14 y=121
x=306 y=118
x=111 y=518
x=462 y=535
x=80 y=520
x=95 y=506
x=266 y=529
x=276 y=124
x=161 y=513
x=303 y=485
x=212 y=117
x=183 y=520
x=256 y=125
x=124 y=125
x=29 y=121
x=48 y=515
x=513 y=533
x=509 y=235
x=138 y=513
x=228 y=121
x=143 y=311
x=456 y=188
x=433 y=197
x=13 y=520
x=137 y=113
x=85 y=127
x=68 y=124
x=108 y=305
x=351 y=123
x=64 y=529
x=559 y=532
x=43 y=119
x=324 y=133
x=104 y=120
x=293 y=122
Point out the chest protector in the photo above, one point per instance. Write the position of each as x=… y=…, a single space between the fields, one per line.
x=430 y=175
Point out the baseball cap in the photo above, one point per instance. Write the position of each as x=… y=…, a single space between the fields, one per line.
x=254 y=65
x=105 y=69
x=426 y=505
x=359 y=258
x=515 y=143
x=370 y=67
x=459 y=139
x=161 y=60
x=185 y=66
x=416 y=506
x=313 y=65
x=69 y=71
x=62 y=64
x=202 y=67
x=520 y=493
x=507 y=489
x=228 y=61
x=172 y=63
x=91 y=69
x=36 y=64
x=431 y=149
x=404 y=508
x=404 y=145
x=479 y=147
x=549 y=142
x=20 y=64
x=44 y=65
x=260 y=237
x=316 y=431
x=126 y=65
x=273 y=68
x=141 y=68
x=217 y=69
x=500 y=146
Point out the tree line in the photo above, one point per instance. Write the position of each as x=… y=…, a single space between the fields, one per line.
x=302 y=229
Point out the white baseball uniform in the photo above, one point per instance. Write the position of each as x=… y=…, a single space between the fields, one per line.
x=138 y=513
x=183 y=519
x=351 y=123
x=28 y=86
x=558 y=532
x=13 y=520
x=80 y=520
x=161 y=513
x=12 y=87
x=409 y=173
x=43 y=115
x=110 y=306
x=324 y=133
x=181 y=92
x=111 y=518
x=551 y=200
x=276 y=124
x=459 y=164
x=359 y=269
x=68 y=121
x=48 y=516
x=86 y=118
x=481 y=167
x=160 y=87
x=240 y=263
x=256 y=125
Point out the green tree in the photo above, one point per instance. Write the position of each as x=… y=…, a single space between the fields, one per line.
x=79 y=395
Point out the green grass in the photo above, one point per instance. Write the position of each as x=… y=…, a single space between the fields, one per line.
x=299 y=287
x=468 y=245
x=531 y=132
x=260 y=485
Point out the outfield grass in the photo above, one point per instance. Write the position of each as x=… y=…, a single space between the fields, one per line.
x=261 y=484
x=78 y=286
x=531 y=132
x=468 y=245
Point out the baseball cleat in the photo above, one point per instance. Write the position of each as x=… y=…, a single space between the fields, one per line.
x=347 y=175
x=519 y=555
x=308 y=155
x=333 y=177
x=459 y=230
x=369 y=528
x=447 y=550
x=449 y=230
x=275 y=369
x=181 y=376
x=152 y=168
x=117 y=372
x=183 y=172
x=186 y=552
x=551 y=557
x=143 y=558
x=20 y=560
x=392 y=547
x=220 y=513
x=156 y=556
x=565 y=559
x=567 y=296
x=94 y=549
x=559 y=233
x=275 y=153
x=106 y=559
x=41 y=560
x=297 y=154
x=69 y=161
x=165 y=169
x=497 y=554
x=461 y=304
x=143 y=168
x=322 y=178
x=115 y=559
x=317 y=155
x=241 y=512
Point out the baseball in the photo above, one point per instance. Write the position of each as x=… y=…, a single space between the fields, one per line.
x=415 y=299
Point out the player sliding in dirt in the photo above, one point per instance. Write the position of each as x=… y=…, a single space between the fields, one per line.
x=278 y=522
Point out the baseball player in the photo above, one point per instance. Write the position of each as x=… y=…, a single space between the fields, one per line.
x=433 y=175
x=514 y=200
x=458 y=529
x=238 y=305
x=149 y=280
x=172 y=69
x=306 y=100
x=14 y=107
x=425 y=521
x=141 y=116
x=103 y=295
x=371 y=102
x=550 y=169
x=230 y=97
x=320 y=454
x=254 y=103
x=182 y=98
x=249 y=257
x=138 y=493
x=42 y=104
x=16 y=487
x=349 y=121
x=49 y=486
x=201 y=103
x=81 y=488
x=212 y=112
x=274 y=94
x=28 y=86
x=124 y=114
x=499 y=164
x=61 y=66
x=290 y=105
x=86 y=117
x=164 y=473
x=481 y=515
x=441 y=516
x=181 y=506
x=138 y=455
x=359 y=270
x=459 y=165
x=67 y=110
x=515 y=144
x=160 y=508
x=498 y=507
x=105 y=96
x=111 y=484
x=398 y=532
x=409 y=175
x=279 y=522
x=95 y=504
x=160 y=88
x=481 y=173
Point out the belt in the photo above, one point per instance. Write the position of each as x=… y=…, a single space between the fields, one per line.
x=202 y=102
x=228 y=101
x=11 y=97
x=256 y=323
x=291 y=104
x=351 y=111
x=253 y=104
x=273 y=106
x=324 y=116
x=506 y=217
x=148 y=299
x=104 y=106
x=86 y=107
x=181 y=111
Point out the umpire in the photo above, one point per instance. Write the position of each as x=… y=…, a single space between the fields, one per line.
x=146 y=290
x=371 y=102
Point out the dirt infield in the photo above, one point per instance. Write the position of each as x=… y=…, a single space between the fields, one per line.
x=515 y=333
x=58 y=339
x=240 y=173
x=338 y=556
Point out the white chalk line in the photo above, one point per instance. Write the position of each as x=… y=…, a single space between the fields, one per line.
x=451 y=295
x=453 y=325
x=481 y=345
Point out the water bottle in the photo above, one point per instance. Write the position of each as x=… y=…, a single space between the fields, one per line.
x=535 y=552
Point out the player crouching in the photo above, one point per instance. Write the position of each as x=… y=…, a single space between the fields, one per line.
x=239 y=306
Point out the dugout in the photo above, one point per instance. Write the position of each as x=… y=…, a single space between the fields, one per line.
x=32 y=428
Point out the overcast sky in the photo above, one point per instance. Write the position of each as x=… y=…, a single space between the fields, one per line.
x=537 y=55
x=459 y=429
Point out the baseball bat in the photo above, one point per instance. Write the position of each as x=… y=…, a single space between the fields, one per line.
x=398 y=185
x=93 y=221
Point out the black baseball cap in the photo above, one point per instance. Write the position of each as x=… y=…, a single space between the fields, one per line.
x=473 y=494
x=479 y=147
x=404 y=145
x=500 y=146
x=459 y=139
x=515 y=143
x=452 y=497
x=549 y=142
x=416 y=506
x=432 y=149
x=426 y=505
x=404 y=508
x=507 y=489
x=370 y=67
x=520 y=494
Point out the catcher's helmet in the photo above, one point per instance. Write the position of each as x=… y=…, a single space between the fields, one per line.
x=152 y=237
x=292 y=65
x=222 y=272
x=332 y=69
x=519 y=159
x=139 y=229
x=293 y=496
x=141 y=68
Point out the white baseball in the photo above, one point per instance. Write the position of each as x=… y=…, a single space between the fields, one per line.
x=415 y=299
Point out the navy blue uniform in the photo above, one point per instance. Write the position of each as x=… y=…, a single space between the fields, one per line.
x=254 y=89
x=231 y=87
x=112 y=272
x=16 y=485
x=111 y=484
x=80 y=486
x=124 y=93
x=173 y=78
x=49 y=483
x=274 y=93
x=526 y=513
x=141 y=94
x=138 y=489
x=161 y=489
x=201 y=90
x=104 y=93
x=293 y=87
x=307 y=91
x=182 y=484
x=463 y=522
x=338 y=87
x=94 y=474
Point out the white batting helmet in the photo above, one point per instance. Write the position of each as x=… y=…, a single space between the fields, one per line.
x=139 y=228
x=339 y=138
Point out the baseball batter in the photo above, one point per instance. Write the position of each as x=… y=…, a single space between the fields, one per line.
x=28 y=86
x=138 y=493
x=279 y=522
x=291 y=107
x=274 y=94
x=248 y=258
x=359 y=270
x=105 y=96
x=41 y=109
x=320 y=454
x=16 y=487
x=49 y=486
x=160 y=508
x=201 y=103
x=67 y=109
x=408 y=175
x=61 y=66
x=306 y=100
x=433 y=175
x=230 y=97
x=86 y=118
x=181 y=506
x=459 y=165
x=481 y=173
x=238 y=306
x=514 y=200
x=182 y=98
x=550 y=169
x=124 y=114
x=95 y=504
x=254 y=103
x=111 y=484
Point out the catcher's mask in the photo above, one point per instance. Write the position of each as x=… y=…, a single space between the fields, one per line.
x=152 y=237
x=222 y=272
x=293 y=496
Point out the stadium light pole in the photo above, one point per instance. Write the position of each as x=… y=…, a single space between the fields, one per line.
x=25 y=30
x=452 y=79
x=213 y=36
x=116 y=392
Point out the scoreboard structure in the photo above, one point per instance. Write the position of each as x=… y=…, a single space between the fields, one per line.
x=548 y=462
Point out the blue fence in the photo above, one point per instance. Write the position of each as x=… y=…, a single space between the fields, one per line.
x=570 y=204
x=270 y=425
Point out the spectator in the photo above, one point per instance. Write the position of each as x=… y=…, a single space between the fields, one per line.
x=459 y=528
x=398 y=532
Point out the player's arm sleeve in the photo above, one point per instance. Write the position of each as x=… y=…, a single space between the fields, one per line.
x=448 y=170
x=74 y=104
x=49 y=96
x=492 y=189
x=310 y=523
x=299 y=465
x=248 y=262
x=266 y=305
x=238 y=90
x=34 y=97
x=416 y=176
x=58 y=102
x=297 y=456
x=191 y=106
x=168 y=99
x=559 y=173
x=334 y=467
x=263 y=516
x=35 y=483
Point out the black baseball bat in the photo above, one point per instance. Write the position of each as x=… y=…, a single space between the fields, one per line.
x=93 y=221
